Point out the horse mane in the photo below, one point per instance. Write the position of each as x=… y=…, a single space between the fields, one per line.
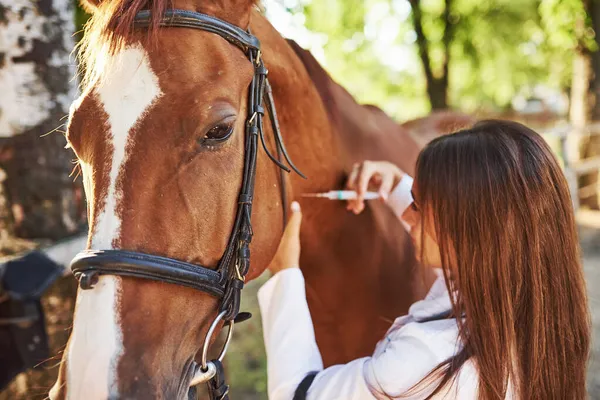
x=365 y=130
x=321 y=79
x=332 y=93
x=111 y=27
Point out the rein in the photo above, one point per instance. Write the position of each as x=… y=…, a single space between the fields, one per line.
x=227 y=281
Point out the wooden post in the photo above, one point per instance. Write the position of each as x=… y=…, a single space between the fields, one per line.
x=36 y=77
x=38 y=199
x=570 y=173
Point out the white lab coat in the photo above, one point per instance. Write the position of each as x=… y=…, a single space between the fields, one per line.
x=412 y=347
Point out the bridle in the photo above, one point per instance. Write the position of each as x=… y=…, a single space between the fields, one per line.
x=227 y=280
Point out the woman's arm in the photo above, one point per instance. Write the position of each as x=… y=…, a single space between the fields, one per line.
x=288 y=330
x=291 y=347
x=292 y=351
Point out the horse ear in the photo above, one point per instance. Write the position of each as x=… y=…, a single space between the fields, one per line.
x=90 y=6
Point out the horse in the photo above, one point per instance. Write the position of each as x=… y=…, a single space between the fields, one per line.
x=161 y=133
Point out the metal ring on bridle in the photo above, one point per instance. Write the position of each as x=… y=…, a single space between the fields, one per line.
x=209 y=334
x=204 y=376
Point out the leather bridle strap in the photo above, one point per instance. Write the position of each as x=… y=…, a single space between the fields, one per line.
x=140 y=265
x=191 y=19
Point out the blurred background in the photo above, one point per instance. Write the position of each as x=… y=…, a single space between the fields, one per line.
x=535 y=61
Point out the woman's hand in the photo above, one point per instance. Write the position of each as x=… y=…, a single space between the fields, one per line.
x=381 y=174
x=288 y=252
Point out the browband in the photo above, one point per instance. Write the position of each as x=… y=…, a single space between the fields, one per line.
x=192 y=19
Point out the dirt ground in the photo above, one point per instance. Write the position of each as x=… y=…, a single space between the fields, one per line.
x=246 y=363
x=590 y=243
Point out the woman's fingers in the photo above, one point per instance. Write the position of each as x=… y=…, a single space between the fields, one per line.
x=351 y=184
x=380 y=174
x=387 y=181
x=293 y=227
x=364 y=177
x=291 y=235
x=291 y=238
x=351 y=181
x=288 y=252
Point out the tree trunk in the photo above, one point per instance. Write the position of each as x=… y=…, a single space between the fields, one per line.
x=583 y=103
x=437 y=90
x=593 y=9
x=592 y=148
x=437 y=87
x=579 y=112
x=38 y=199
x=36 y=77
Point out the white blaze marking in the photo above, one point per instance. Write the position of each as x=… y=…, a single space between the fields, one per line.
x=128 y=89
x=96 y=343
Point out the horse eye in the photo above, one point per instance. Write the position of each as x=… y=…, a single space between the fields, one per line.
x=219 y=133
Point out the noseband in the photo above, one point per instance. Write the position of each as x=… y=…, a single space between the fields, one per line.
x=227 y=280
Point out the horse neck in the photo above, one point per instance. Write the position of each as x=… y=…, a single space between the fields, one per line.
x=323 y=122
x=359 y=270
x=310 y=136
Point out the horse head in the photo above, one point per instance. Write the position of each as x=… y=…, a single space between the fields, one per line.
x=167 y=143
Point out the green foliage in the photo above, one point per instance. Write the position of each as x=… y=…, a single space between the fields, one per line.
x=567 y=23
x=80 y=18
x=246 y=362
x=498 y=49
x=362 y=64
x=567 y=27
x=495 y=52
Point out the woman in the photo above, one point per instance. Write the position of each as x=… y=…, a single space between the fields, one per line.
x=490 y=211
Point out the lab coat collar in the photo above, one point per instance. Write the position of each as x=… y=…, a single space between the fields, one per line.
x=436 y=305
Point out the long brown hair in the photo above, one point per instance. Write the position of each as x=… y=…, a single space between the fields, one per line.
x=505 y=225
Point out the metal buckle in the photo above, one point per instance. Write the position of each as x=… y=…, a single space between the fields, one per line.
x=238 y=273
x=258 y=55
x=204 y=376
x=207 y=369
x=251 y=120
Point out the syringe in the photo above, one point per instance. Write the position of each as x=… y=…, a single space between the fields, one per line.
x=342 y=195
